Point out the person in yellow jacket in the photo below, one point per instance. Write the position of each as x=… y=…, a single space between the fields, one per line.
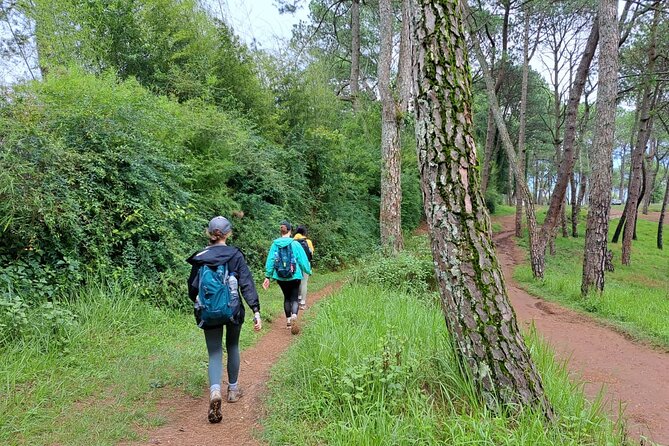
x=301 y=238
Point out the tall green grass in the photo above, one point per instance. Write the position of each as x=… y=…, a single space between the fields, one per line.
x=106 y=376
x=377 y=368
x=635 y=298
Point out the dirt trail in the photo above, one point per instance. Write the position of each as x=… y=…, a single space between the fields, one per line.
x=632 y=373
x=186 y=417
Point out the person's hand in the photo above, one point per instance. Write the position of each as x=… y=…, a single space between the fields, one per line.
x=265 y=284
x=257 y=322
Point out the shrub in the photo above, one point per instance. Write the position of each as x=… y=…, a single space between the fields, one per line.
x=408 y=272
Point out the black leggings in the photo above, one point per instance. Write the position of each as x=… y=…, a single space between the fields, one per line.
x=291 y=296
x=214 y=340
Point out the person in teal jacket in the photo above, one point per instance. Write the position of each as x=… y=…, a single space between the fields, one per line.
x=290 y=285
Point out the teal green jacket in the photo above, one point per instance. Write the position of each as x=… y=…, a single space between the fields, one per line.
x=302 y=264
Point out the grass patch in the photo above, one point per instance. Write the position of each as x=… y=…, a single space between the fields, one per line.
x=376 y=367
x=502 y=210
x=635 y=298
x=121 y=358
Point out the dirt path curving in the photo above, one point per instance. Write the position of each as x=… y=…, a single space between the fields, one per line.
x=650 y=216
x=631 y=373
x=187 y=423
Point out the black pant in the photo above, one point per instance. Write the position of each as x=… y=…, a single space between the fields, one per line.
x=291 y=295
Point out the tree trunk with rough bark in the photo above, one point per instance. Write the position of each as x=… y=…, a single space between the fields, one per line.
x=473 y=295
x=404 y=79
x=579 y=194
x=576 y=207
x=621 y=191
x=391 y=170
x=645 y=126
x=597 y=227
x=566 y=165
x=487 y=152
x=662 y=212
x=355 y=53
x=650 y=177
x=537 y=257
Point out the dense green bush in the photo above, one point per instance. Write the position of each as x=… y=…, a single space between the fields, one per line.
x=102 y=177
x=92 y=182
x=410 y=272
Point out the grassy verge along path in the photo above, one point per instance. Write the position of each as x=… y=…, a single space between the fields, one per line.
x=124 y=362
x=636 y=297
x=376 y=367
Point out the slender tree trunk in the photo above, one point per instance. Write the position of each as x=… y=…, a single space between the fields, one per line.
x=404 y=80
x=662 y=212
x=577 y=195
x=491 y=131
x=650 y=178
x=597 y=228
x=621 y=192
x=537 y=184
x=391 y=171
x=621 y=224
x=576 y=210
x=645 y=126
x=522 y=125
x=473 y=294
x=487 y=153
x=563 y=220
x=567 y=159
x=355 y=53
x=537 y=258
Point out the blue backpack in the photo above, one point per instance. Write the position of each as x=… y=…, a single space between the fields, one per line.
x=284 y=262
x=215 y=304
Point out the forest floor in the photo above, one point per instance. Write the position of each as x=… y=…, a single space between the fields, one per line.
x=186 y=417
x=630 y=374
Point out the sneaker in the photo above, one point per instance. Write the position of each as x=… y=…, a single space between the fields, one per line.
x=295 y=328
x=303 y=306
x=289 y=323
x=234 y=395
x=215 y=399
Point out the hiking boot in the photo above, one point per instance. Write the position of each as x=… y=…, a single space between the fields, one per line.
x=295 y=328
x=234 y=394
x=215 y=399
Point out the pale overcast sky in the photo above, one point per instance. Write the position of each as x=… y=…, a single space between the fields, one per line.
x=259 y=20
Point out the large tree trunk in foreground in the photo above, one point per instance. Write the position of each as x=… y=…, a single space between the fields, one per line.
x=391 y=186
x=473 y=295
x=597 y=229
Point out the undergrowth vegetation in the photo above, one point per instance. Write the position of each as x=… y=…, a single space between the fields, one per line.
x=100 y=377
x=101 y=177
x=377 y=367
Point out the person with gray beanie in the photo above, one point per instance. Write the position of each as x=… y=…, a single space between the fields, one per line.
x=217 y=253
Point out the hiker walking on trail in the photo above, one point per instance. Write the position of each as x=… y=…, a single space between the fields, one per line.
x=308 y=246
x=217 y=275
x=287 y=263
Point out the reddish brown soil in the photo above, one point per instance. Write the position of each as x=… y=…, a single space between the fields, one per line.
x=186 y=417
x=651 y=216
x=631 y=374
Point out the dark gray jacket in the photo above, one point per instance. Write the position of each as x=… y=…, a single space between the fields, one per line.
x=219 y=255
